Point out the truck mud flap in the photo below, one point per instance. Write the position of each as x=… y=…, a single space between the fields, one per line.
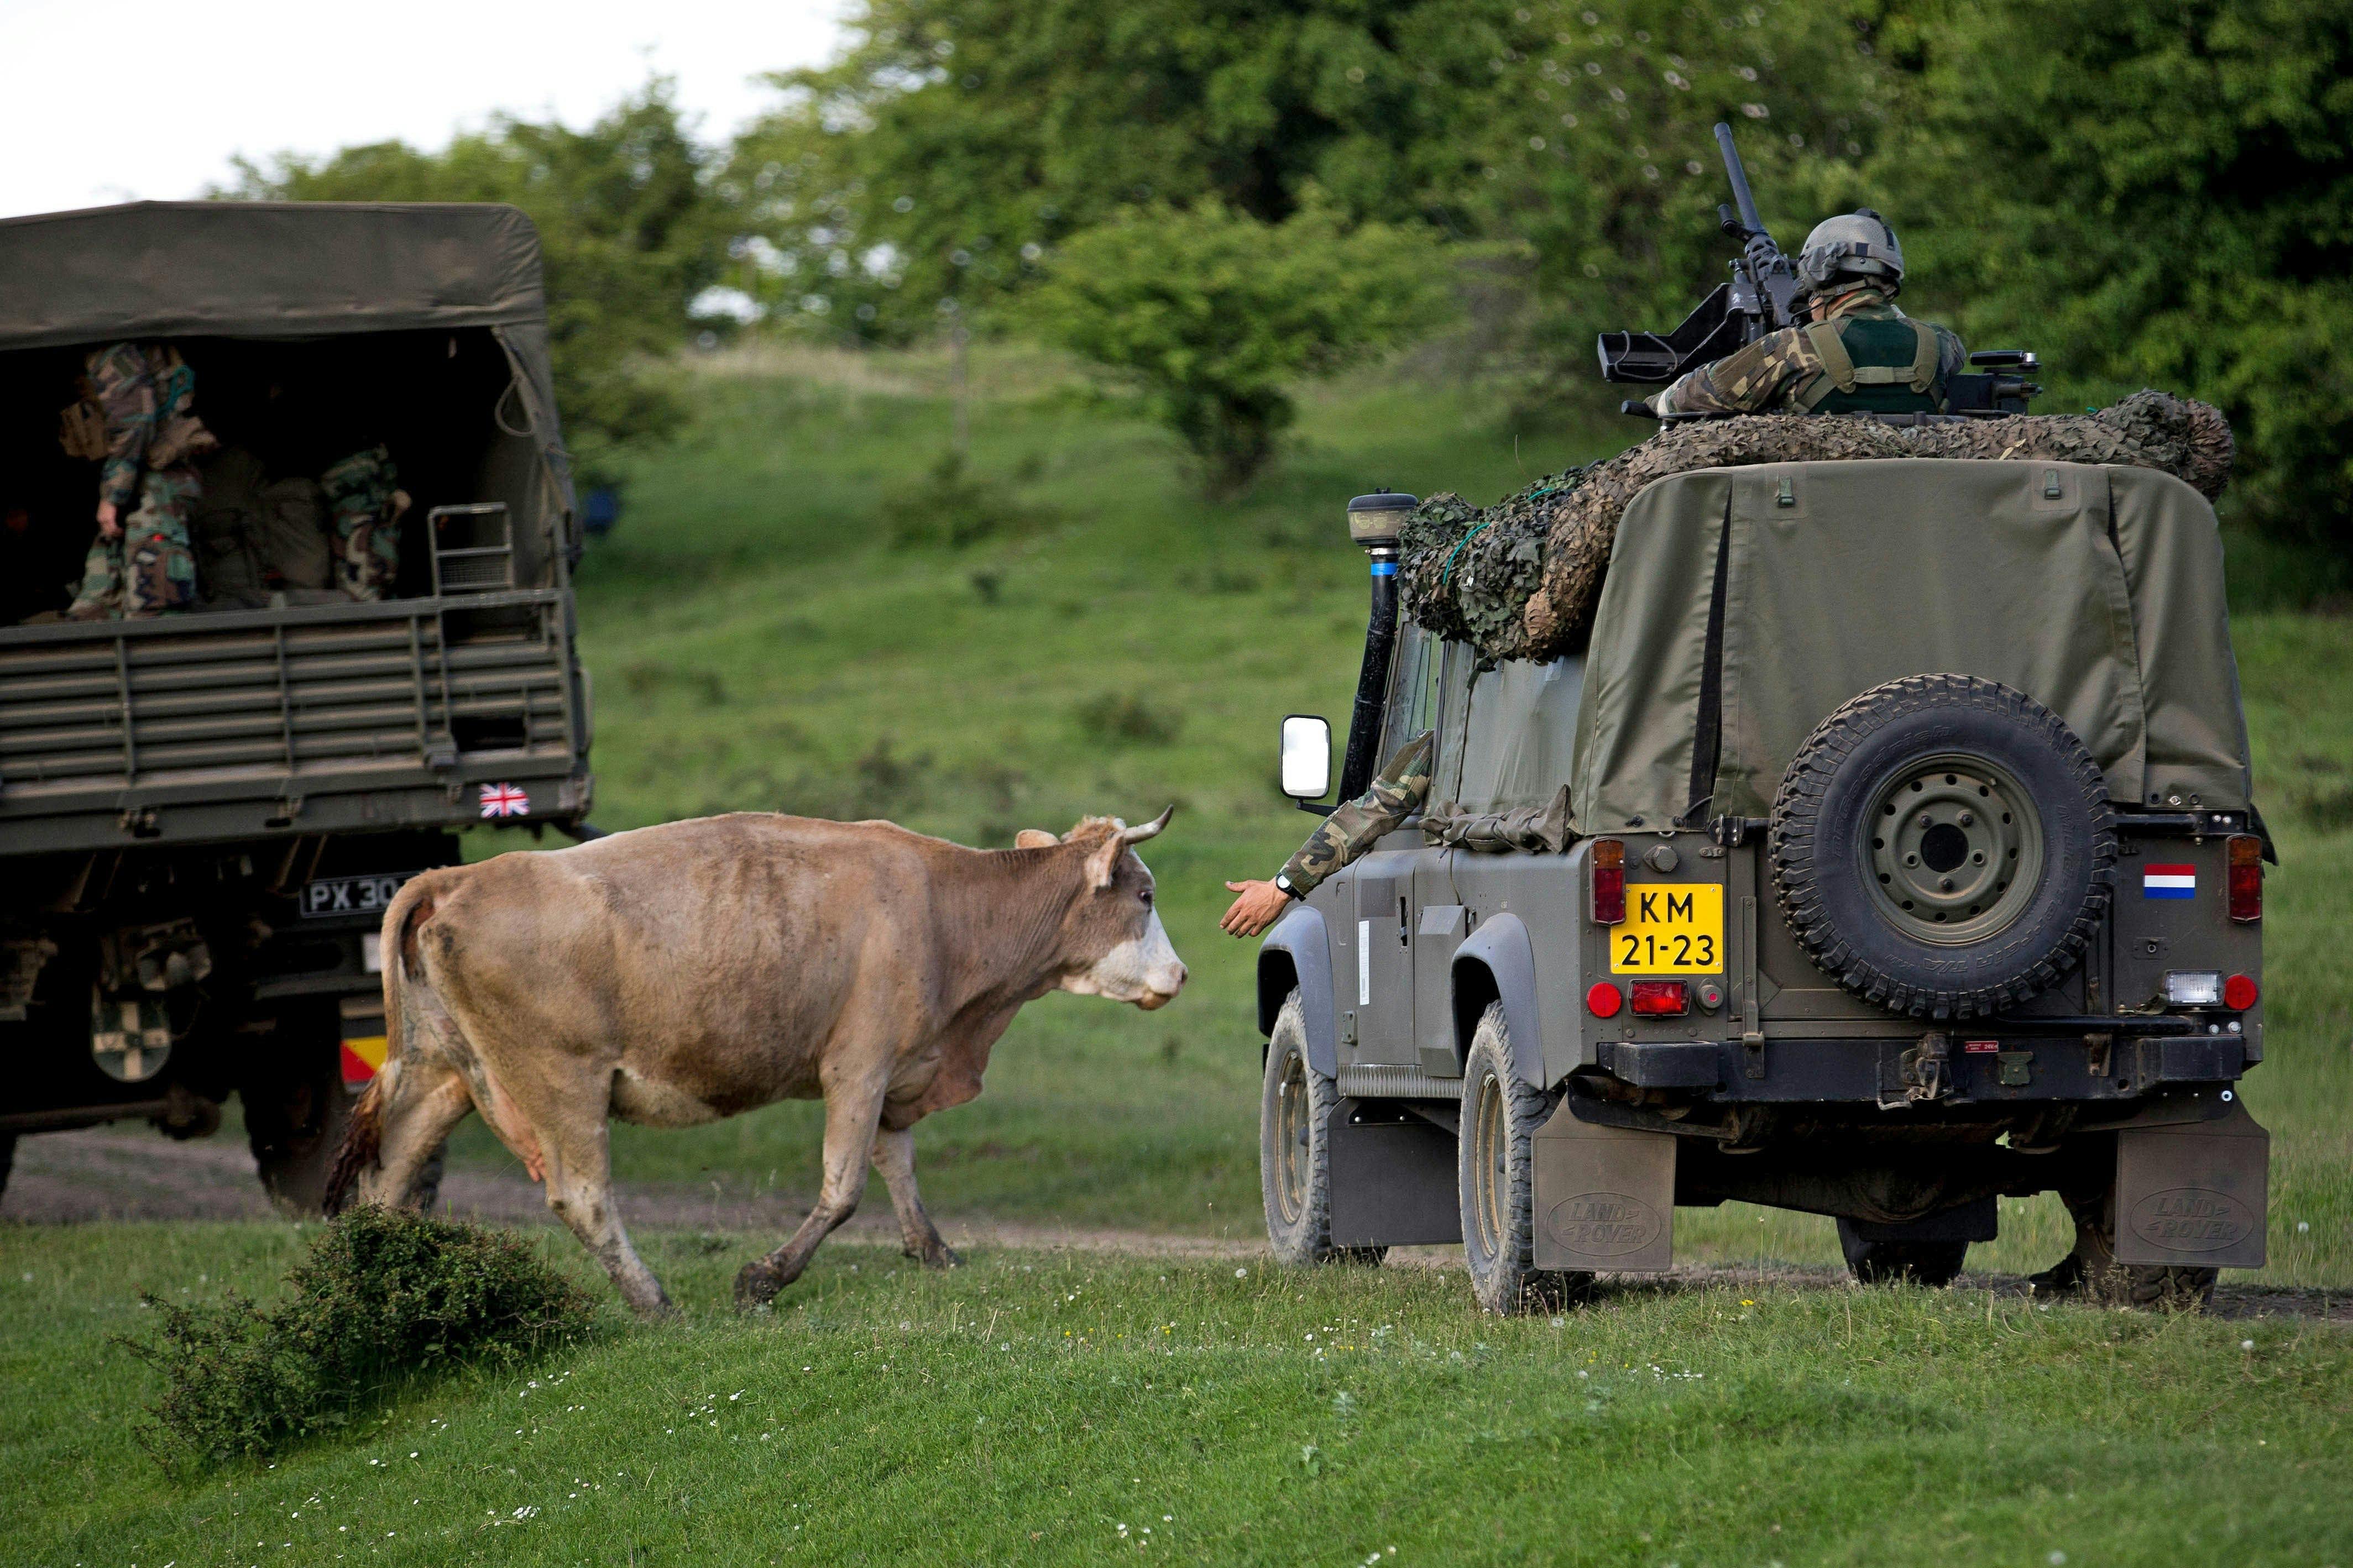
x=1393 y=1180
x=1605 y=1197
x=2193 y=1195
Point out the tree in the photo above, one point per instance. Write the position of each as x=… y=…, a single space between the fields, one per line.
x=628 y=230
x=1213 y=314
x=2157 y=191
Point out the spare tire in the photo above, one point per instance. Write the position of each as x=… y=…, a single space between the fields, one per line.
x=1943 y=846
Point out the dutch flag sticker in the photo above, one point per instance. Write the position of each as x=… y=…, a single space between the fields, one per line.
x=2168 y=882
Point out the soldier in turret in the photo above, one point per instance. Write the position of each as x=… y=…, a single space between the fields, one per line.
x=1854 y=352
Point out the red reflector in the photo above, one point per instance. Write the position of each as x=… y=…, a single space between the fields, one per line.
x=1662 y=998
x=1604 y=1000
x=1609 y=896
x=2246 y=878
x=2239 y=993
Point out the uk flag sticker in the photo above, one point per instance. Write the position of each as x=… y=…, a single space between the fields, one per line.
x=2168 y=882
x=506 y=800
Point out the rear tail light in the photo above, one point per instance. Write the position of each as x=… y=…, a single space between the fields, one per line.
x=2246 y=877
x=1608 y=884
x=2192 y=988
x=2239 y=993
x=1662 y=998
x=1604 y=1000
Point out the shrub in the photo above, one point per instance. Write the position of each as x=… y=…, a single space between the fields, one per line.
x=1128 y=718
x=950 y=506
x=383 y=1296
x=1212 y=315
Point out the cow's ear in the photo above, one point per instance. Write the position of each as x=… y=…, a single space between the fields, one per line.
x=1034 y=839
x=1103 y=861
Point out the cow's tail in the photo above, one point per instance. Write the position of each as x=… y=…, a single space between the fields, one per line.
x=363 y=1143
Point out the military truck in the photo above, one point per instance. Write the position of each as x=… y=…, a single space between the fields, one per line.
x=203 y=815
x=1889 y=850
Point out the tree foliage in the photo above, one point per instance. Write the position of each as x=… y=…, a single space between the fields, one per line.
x=2158 y=192
x=629 y=231
x=1215 y=314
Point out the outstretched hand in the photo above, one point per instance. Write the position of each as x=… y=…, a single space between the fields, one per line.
x=1261 y=904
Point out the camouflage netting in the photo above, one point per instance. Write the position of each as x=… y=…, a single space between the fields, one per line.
x=1520 y=579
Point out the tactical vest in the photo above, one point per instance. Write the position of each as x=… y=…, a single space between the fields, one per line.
x=1874 y=365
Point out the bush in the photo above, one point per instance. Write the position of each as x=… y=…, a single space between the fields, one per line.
x=1212 y=315
x=383 y=1296
x=949 y=505
x=1118 y=717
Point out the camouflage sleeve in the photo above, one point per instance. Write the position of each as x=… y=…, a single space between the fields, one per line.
x=126 y=394
x=1348 y=832
x=1952 y=356
x=1752 y=379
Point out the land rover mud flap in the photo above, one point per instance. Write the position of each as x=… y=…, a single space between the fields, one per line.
x=2190 y=1194
x=1605 y=1197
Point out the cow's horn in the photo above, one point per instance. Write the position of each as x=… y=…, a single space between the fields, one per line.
x=1147 y=830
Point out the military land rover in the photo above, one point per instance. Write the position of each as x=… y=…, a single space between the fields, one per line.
x=1906 y=858
x=202 y=814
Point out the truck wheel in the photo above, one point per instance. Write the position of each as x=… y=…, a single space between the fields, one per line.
x=1942 y=845
x=1495 y=1177
x=1295 y=1109
x=1931 y=1263
x=7 y=1160
x=2091 y=1269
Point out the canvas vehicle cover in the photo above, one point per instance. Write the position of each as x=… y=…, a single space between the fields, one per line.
x=1750 y=603
x=287 y=270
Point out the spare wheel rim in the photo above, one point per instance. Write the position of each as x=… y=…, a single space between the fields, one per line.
x=1952 y=848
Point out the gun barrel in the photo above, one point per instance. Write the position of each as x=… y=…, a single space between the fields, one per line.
x=1739 y=177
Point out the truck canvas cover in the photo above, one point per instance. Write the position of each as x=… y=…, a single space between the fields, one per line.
x=1748 y=604
x=281 y=269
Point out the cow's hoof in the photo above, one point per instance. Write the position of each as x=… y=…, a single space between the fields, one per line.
x=757 y=1285
x=940 y=1255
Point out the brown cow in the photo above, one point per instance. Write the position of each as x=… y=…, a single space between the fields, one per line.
x=676 y=974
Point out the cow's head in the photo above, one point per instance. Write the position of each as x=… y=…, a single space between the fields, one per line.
x=1112 y=942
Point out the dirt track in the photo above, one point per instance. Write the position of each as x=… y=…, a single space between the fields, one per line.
x=70 y=1178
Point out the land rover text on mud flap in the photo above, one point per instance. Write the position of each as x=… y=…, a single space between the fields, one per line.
x=203 y=814
x=1890 y=849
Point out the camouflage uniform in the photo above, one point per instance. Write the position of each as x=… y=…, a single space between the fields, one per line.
x=365 y=500
x=1348 y=832
x=146 y=398
x=1784 y=371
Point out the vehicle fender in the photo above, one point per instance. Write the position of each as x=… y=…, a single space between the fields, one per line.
x=1298 y=951
x=1498 y=964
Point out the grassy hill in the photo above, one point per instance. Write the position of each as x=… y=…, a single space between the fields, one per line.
x=783 y=622
x=786 y=620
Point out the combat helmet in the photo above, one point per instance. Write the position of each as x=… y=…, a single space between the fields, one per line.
x=1854 y=244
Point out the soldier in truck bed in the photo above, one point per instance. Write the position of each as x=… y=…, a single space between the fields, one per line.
x=1855 y=353
x=139 y=421
x=1347 y=833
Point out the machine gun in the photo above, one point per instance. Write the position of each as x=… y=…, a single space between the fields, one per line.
x=1763 y=296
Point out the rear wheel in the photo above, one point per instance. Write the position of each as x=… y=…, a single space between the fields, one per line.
x=7 y=1160
x=1930 y=1263
x=2091 y=1269
x=1296 y=1105
x=1495 y=1177
x=296 y=1109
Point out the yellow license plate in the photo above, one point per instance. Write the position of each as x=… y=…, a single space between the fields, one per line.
x=1671 y=928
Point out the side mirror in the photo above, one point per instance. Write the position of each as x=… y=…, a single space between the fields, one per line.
x=1306 y=757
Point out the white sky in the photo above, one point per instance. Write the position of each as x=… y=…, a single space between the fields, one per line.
x=110 y=100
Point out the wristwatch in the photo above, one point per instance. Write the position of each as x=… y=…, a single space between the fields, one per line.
x=1282 y=881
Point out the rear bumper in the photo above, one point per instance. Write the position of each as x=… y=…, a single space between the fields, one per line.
x=2025 y=1068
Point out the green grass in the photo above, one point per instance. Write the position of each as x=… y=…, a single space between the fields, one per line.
x=1026 y=1407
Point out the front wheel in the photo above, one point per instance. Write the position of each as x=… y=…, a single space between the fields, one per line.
x=1931 y=1263
x=1495 y=1177
x=1296 y=1105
